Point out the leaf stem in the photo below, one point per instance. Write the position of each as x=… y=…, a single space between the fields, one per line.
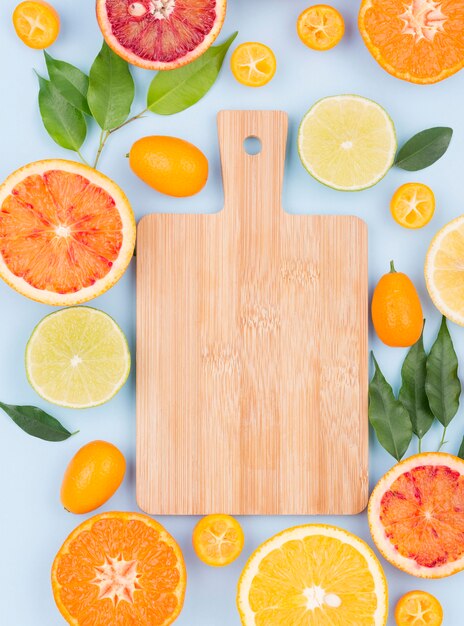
x=420 y=446
x=82 y=158
x=442 y=442
x=105 y=134
x=103 y=138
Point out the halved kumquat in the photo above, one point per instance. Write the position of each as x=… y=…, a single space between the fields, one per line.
x=253 y=64
x=36 y=23
x=218 y=540
x=413 y=205
x=418 y=608
x=321 y=27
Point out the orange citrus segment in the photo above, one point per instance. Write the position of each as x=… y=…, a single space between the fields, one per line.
x=421 y=41
x=66 y=232
x=313 y=575
x=413 y=205
x=253 y=64
x=418 y=608
x=37 y=23
x=416 y=515
x=218 y=540
x=119 y=568
x=444 y=271
x=321 y=27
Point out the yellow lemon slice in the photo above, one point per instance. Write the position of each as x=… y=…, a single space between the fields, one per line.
x=444 y=270
x=313 y=575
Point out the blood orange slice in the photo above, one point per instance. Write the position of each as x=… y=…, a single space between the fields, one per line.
x=416 y=515
x=119 y=568
x=67 y=232
x=160 y=34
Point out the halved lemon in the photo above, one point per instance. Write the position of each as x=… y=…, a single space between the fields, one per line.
x=444 y=270
x=347 y=142
x=313 y=574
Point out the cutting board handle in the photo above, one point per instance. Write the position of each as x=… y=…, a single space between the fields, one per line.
x=253 y=181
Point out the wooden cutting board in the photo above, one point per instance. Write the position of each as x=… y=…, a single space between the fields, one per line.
x=252 y=347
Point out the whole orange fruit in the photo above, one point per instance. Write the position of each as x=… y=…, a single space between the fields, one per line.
x=94 y=475
x=396 y=310
x=170 y=165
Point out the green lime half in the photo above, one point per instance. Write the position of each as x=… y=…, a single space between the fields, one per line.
x=347 y=142
x=77 y=358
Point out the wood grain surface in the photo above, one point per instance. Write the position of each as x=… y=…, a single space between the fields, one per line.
x=252 y=347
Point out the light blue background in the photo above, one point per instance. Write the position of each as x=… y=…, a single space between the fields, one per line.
x=33 y=524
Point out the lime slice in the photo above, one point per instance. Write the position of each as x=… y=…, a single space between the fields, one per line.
x=347 y=142
x=77 y=358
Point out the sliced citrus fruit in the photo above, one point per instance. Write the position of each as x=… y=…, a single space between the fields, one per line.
x=413 y=205
x=347 y=142
x=119 y=568
x=313 y=574
x=67 y=232
x=160 y=34
x=36 y=23
x=321 y=27
x=416 y=515
x=218 y=540
x=77 y=358
x=253 y=64
x=421 y=41
x=418 y=608
x=444 y=270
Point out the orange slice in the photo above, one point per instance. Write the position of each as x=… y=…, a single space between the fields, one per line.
x=444 y=271
x=253 y=64
x=416 y=515
x=321 y=27
x=418 y=608
x=413 y=205
x=119 y=568
x=421 y=41
x=218 y=540
x=67 y=232
x=313 y=575
x=37 y=23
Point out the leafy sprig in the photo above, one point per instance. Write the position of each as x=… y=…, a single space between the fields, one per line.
x=69 y=100
x=430 y=391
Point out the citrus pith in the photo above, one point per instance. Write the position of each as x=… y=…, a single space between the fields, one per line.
x=67 y=232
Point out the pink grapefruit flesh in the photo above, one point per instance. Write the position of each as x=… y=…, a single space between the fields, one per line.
x=160 y=34
x=67 y=232
x=416 y=515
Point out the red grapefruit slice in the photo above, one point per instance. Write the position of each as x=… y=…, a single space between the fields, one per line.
x=67 y=232
x=160 y=34
x=416 y=515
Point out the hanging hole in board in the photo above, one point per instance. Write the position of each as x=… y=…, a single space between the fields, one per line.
x=252 y=145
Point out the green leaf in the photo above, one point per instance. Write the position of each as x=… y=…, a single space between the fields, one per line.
x=461 y=450
x=111 y=89
x=424 y=149
x=176 y=90
x=72 y=84
x=36 y=422
x=412 y=393
x=442 y=383
x=63 y=122
x=388 y=416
